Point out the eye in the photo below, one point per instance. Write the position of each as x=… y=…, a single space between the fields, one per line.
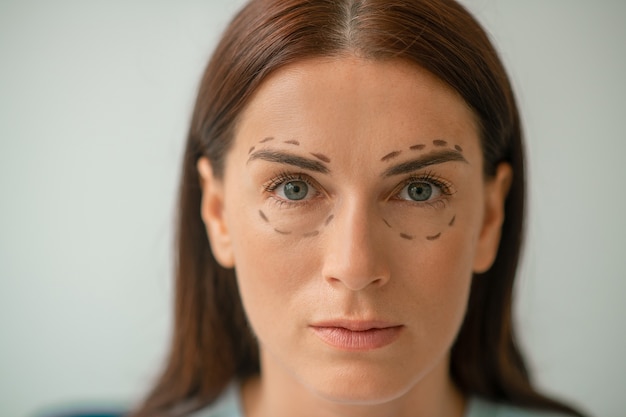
x=295 y=190
x=420 y=191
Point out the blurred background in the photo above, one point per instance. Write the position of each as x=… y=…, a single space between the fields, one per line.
x=95 y=98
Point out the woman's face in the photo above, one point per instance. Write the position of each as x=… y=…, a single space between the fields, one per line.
x=354 y=209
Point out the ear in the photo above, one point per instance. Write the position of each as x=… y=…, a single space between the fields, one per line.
x=212 y=212
x=496 y=190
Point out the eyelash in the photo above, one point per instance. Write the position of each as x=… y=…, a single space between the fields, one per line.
x=429 y=177
x=283 y=177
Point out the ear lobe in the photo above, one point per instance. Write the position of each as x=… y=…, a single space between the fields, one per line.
x=212 y=212
x=496 y=191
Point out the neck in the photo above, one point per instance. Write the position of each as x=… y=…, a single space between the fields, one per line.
x=277 y=393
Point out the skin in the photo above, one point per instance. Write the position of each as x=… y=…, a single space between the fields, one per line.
x=360 y=263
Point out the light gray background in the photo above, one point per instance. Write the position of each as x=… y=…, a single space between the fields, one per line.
x=94 y=103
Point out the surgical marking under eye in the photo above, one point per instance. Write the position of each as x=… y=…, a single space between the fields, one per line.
x=282 y=232
x=458 y=148
x=329 y=219
x=452 y=221
x=263 y=216
x=435 y=237
x=390 y=155
x=321 y=157
x=311 y=234
x=293 y=142
x=267 y=139
x=417 y=147
x=405 y=236
x=387 y=223
x=251 y=149
x=439 y=142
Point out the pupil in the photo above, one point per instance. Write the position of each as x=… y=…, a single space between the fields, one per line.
x=296 y=190
x=420 y=191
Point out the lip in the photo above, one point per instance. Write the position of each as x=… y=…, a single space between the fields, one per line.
x=357 y=335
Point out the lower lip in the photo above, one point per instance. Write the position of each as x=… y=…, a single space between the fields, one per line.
x=345 y=339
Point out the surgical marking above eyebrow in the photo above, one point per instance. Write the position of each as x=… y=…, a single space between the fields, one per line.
x=329 y=219
x=387 y=223
x=405 y=236
x=311 y=234
x=439 y=142
x=321 y=157
x=282 y=232
x=458 y=148
x=251 y=149
x=417 y=147
x=433 y=158
x=437 y=236
x=390 y=155
x=263 y=216
x=267 y=139
x=452 y=221
x=293 y=142
x=289 y=159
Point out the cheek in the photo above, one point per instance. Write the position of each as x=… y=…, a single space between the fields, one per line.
x=275 y=271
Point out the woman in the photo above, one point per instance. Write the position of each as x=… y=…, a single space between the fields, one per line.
x=359 y=164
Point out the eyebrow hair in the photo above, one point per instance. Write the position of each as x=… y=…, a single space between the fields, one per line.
x=289 y=159
x=433 y=158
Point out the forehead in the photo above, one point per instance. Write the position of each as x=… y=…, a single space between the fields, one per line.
x=349 y=102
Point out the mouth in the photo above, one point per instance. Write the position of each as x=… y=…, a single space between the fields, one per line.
x=357 y=335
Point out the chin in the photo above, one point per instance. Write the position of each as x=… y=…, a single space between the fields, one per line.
x=362 y=387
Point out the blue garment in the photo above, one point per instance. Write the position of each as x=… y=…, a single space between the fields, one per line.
x=229 y=405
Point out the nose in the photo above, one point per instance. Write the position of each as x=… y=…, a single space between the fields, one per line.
x=355 y=253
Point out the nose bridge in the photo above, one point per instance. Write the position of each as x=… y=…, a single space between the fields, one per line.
x=355 y=256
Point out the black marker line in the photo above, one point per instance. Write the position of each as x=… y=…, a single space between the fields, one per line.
x=293 y=142
x=452 y=221
x=390 y=155
x=439 y=142
x=417 y=147
x=311 y=234
x=267 y=139
x=458 y=148
x=387 y=223
x=437 y=236
x=329 y=219
x=263 y=216
x=282 y=232
x=321 y=157
x=405 y=236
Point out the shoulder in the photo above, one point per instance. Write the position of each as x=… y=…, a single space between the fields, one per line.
x=228 y=404
x=479 y=407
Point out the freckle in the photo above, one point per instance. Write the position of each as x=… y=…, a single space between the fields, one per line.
x=405 y=236
x=311 y=234
x=329 y=219
x=387 y=223
x=417 y=147
x=267 y=139
x=390 y=155
x=251 y=149
x=282 y=232
x=452 y=221
x=263 y=216
x=321 y=157
x=439 y=142
x=458 y=148
x=293 y=142
x=437 y=236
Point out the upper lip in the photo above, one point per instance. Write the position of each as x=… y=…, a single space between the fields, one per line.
x=356 y=325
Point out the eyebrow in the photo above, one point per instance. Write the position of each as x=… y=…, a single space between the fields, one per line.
x=433 y=158
x=289 y=159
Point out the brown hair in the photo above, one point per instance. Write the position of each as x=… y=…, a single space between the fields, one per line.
x=211 y=341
